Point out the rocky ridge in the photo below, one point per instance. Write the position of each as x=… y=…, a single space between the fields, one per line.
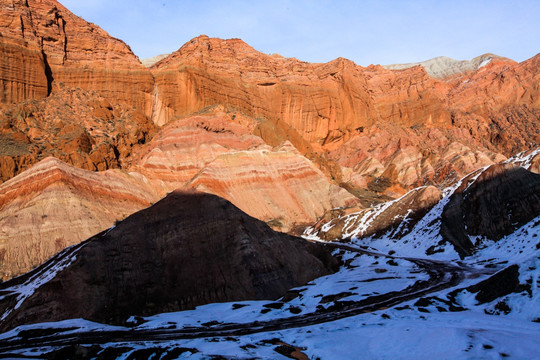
x=74 y=52
x=347 y=111
x=53 y=205
x=484 y=206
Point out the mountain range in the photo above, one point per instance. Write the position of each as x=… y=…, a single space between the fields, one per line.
x=128 y=190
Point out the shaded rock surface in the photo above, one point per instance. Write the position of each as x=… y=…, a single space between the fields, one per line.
x=188 y=249
x=394 y=218
x=502 y=283
x=501 y=199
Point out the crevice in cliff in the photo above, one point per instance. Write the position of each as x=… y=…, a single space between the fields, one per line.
x=48 y=73
x=161 y=114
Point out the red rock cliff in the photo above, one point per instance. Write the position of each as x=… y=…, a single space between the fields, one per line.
x=44 y=44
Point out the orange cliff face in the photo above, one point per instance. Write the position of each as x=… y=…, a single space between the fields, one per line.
x=77 y=126
x=500 y=105
x=325 y=103
x=43 y=44
x=411 y=128
x=22 y=67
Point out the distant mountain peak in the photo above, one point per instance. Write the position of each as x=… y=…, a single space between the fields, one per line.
x=443 y=66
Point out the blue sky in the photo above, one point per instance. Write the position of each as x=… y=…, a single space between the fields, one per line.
x=367 y=32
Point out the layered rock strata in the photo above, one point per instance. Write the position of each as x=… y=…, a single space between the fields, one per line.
x=51 y=46
x=217 y=153
x=404 y=123
x=53 y=205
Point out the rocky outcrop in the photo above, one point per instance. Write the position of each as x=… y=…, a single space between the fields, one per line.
x=23 y=71
x=102 y=137
x=277 y=185
x=325 y=103
x=52 y=46
x=490 y=205
x=486 y=205
x=53 y=205
x=184 y=147
x=67 y=89
x=186 y=250
x=215 y=152
x=393 y=219
x=339 y=114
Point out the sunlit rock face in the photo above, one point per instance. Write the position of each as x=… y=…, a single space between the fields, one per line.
x=217 y=153
x=420 y=129
x=55 y=46
x=53 y=205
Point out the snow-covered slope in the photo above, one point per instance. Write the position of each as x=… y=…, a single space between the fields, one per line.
x=489 y=203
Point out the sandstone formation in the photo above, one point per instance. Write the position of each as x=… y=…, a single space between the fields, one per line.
x=277 y=185
x=67 y=89
x=214 y=152
x=22 y=65
x=77 y=126
x=325 y=103
x=217 y=153
x=51 y=46
x=339 y=114
x=186 y=250
x=53 y=205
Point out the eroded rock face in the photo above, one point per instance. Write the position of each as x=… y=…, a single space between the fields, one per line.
x=186 y=250
x=55 y=46
x=22 y=66
x=500 y=200
x=77 y=126
x=277 y=185
x=53 y=205
x=325 y=103
x=339 y=114
x=215 y=152
x=47 y=55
